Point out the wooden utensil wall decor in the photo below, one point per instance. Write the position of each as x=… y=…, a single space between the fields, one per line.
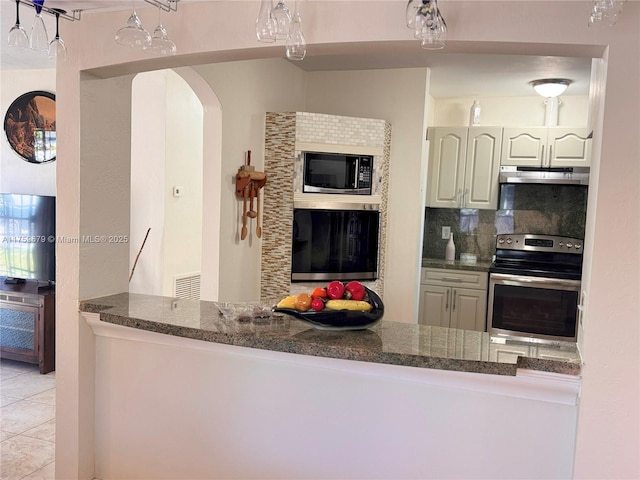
x=248 y=186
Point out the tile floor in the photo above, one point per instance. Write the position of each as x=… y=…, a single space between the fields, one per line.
x=27 y=422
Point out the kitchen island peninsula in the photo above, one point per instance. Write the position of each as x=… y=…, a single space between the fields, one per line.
x=186 y=389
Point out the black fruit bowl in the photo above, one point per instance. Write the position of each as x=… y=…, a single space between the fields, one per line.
x=341 y=319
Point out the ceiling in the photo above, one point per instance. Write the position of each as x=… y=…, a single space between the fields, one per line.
x=452 y=74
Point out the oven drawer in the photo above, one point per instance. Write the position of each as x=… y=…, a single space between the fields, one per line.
x=455 y=278
x=537 y=307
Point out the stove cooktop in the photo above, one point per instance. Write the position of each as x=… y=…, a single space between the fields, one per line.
x=539 y=256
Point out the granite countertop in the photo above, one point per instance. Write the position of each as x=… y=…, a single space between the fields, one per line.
x=479 y=266
x=253 y=325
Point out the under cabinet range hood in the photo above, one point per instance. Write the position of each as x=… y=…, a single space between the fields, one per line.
x=560 y=176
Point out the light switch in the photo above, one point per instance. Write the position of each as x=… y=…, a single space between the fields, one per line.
x=177 y=190
x=446 y=233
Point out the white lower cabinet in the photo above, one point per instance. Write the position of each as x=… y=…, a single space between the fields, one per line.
x=453 y=298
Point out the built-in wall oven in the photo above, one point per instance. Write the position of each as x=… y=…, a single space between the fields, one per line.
x=534 y=286
x=335 y=241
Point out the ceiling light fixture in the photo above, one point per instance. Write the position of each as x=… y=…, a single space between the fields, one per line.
x=550 y=87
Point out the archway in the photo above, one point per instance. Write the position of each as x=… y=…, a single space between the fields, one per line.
x=172 y=215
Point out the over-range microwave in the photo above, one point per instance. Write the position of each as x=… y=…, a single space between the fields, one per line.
x=337 y=173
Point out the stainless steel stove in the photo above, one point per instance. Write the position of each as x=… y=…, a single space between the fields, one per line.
x=534 y=286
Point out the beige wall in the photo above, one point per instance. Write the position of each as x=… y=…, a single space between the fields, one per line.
x=511 y=111
x=247 y=90
x=399 y=97
x=607 y=437
x=166 y=142
x=148 y=115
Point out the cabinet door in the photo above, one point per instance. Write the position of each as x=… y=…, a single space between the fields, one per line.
x=569 y=147
x=482 y=166
x=524 y=147
x=454 y=278
x=19 y=331
x=507 y=353
x=446 y=166
x=434 y=305
x=468 y=309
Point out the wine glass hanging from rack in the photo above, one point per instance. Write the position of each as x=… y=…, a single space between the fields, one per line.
x=166 y=5
x=276 y=23
x=71 y=15
x=75 y=15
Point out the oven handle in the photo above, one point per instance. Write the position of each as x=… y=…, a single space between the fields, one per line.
x=515 y=280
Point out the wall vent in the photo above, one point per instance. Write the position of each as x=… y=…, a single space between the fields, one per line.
x=187 y=286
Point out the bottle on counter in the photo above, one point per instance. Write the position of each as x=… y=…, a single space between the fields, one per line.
x=450 y=251
x=474 y=116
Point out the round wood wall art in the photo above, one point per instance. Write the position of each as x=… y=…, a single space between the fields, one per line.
x=30 y=126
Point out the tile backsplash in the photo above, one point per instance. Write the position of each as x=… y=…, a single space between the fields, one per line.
x=523 y=208
x=336 y=129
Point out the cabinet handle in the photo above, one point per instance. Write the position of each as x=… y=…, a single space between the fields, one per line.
x=542 y=152
x=446 y=306
x=550 y=155
x=451 y=279
x=453 y=306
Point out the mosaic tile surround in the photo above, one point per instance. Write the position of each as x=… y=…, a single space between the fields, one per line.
x=282 y=131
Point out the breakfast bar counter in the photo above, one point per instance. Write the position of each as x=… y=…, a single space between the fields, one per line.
x=253 y=325
x=199 y=389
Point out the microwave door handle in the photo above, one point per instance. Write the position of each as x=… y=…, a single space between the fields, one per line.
x=356 y=179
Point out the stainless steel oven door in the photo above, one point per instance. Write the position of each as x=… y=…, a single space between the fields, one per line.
x=537 y=307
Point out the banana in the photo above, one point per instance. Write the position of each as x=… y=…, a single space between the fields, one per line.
x=360 y=305
x=287 y=302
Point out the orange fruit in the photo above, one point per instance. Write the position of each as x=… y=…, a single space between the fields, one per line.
x=303 y=302
x=319 y=292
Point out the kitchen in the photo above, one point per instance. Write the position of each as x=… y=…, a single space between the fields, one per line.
x=341 y=93
x=91 y=266
x=273 y=390
x=542 y=206
x=516 y=213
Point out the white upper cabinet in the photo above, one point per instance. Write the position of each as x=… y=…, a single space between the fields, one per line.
x=482 y=168
x=546 y=147
x=523 y=147
x=463 y=167
x=446 y=166
x=569 y=147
